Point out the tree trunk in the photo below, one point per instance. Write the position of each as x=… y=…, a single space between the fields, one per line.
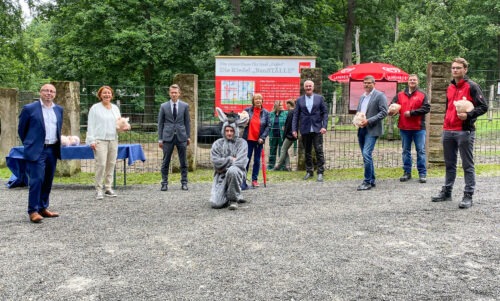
x=347 y=56
x=149 y=95
x=498 y=55
x=236 y=21
x=149 y=90
x=349 y=26
x=396 y=29
x=356 y=43
x=389 y=126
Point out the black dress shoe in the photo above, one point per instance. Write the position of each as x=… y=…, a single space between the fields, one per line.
x=466 y=201
x=184 y=187
x=308 y=175
x=365 y=186
x=406 y=176
x=164 y=187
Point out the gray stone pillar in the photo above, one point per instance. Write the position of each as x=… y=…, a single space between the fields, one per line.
x=189 y=94
x=314 y=74
x=438 y=79
x=68 y=96
x=8 y=121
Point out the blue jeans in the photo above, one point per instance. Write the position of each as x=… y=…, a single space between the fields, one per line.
x=255 y=148
x=418 y=137
x=367 y=144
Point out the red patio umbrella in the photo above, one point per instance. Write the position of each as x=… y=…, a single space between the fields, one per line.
x=377 y=70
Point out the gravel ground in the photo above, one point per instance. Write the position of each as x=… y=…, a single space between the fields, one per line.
x=291 y=241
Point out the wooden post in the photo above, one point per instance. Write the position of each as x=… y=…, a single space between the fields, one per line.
x=8 y=121
x=68 y=96
x=189 y=94
x=491 y=99
x=334 y=110
x=438 y=79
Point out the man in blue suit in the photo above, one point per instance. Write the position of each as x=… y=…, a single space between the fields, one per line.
x=39 y=129
x=174 y=130
x=311 y=113
x=373 y=104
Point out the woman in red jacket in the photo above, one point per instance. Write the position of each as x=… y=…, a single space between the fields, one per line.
x=255 y=134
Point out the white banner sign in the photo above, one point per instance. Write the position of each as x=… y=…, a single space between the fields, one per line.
x=272 y=67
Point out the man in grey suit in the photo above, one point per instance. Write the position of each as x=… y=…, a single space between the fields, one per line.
x=174 y=130
x=374 y=104
x=311 y=113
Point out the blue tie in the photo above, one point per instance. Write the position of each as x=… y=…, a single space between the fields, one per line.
x=175 y=111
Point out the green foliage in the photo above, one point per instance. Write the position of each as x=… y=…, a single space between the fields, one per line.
x=145 y=43
x=16 y=56
x=441 y=30
x=277 y=27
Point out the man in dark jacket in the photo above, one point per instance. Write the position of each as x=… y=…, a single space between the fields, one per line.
x=40 y=126
x=174 y=130
x=311 y=118
x=288 y=138
x=411 y=124
x=459 y=132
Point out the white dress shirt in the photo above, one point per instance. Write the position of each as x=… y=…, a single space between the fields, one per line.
x=50 y=121
x=365 y=101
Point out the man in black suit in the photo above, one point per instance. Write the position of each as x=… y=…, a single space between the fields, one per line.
x=311 y=113
x=174 y=130
x=39 y=129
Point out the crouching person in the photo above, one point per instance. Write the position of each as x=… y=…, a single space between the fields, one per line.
x=229 y=157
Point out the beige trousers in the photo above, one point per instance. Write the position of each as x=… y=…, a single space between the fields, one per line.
x=105 y=161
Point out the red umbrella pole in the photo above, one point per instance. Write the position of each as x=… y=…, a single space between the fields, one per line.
x=263 y=162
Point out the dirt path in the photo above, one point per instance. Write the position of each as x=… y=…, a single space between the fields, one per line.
x=291 y=241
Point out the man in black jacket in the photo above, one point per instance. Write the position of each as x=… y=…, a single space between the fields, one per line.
x=288 y=140
x=311 y=119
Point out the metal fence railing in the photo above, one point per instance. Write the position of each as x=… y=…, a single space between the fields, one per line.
x=341 y=146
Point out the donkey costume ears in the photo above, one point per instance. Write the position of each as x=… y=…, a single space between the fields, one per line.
x=241 y=119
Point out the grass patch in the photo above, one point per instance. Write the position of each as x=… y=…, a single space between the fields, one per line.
x=205 y=175
x=5 y=173
x=141 y=137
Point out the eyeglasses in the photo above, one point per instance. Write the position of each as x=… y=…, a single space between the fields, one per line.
x=48 y=91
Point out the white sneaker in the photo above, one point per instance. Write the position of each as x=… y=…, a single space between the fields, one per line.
x=99 y=195
x=233 y=206
x=110 y=193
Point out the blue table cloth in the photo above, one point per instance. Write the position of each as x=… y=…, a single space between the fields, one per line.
x=17 y=165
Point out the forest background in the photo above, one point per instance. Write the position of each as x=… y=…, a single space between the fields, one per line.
x=144 y=43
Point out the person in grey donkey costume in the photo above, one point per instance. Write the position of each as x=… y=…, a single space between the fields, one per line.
x=229 y=157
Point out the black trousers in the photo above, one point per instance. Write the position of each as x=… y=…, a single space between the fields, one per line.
x=168 y=149
x=309 y=140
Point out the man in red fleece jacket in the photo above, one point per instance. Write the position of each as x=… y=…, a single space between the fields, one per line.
x=459 y=132
x=411 y=124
